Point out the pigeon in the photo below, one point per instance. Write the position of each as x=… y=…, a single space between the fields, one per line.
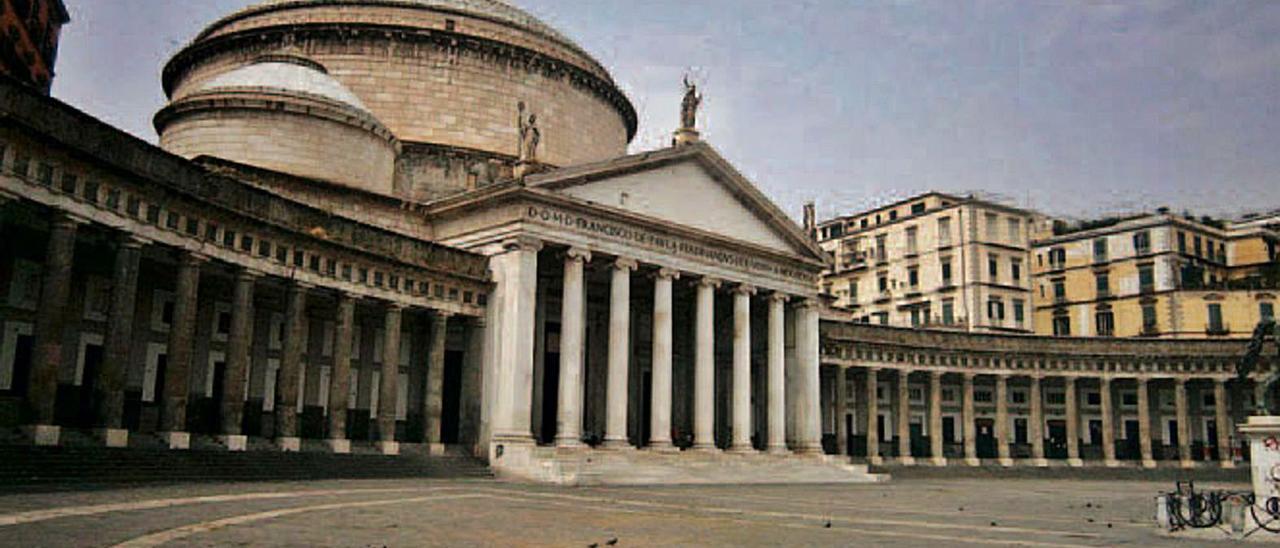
x=1090 y=520
x=961 y=509
x=828 y=524
x=594 y=545
x=993 y=524
x=612 y=542
x=1108 y=526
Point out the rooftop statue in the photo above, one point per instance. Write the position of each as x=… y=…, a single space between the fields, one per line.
x=689 y=107
x=530 y=136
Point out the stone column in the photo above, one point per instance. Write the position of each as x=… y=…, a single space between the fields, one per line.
x=510 y=366
x=660 y=417
x=615 y=435
x=573 y=313
x=177 y=375
x=1036 y=426
x=704 y=368
x=119 y=342
x=777 y=374
x=903 y=421
x=873 y=418
x=741 y=403
x=1073 y=423
x=1184 y=424
x=1108 y=424
x=808 y=361
x=1144 y=423
x=935 y=419
x=1220 y=416
x=388 y=392
x=340 y=378
x=471 y=413
x=239 y=343
x=295 y=344
x=433 y=400
x=1002 y=420
x=842 y=407
x=46 y=359
x=969 y=418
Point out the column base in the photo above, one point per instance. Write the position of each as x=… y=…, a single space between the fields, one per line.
x=434 y=448
x=114 y=437
x=662 y=447
x=1040 y=462
x=235 y=442
x=391 y=448
x=810 y=450
x=1188 y=464
x=1076 y=462
x=1227 y=464
x=907 y=461
x=1149 y=463
x=290 y=444
x=1111 y=463
x=1006 y=462
x=705 y=448
x=741 y=449
x=938 y=461
x=177 y=440
x=569 y=443
x=44 y=434
x=339 y=446
x=973 y=461
x=875 y=461
x=780 y=449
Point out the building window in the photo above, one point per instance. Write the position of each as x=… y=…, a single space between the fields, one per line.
x=153 y=214
x=882 y=248
x=948 y=312
x=1106 y=323
x=946 y=272
x=1266 y=311
x=1215 y=318
x=1060 y=291
x=69 y=183
x=1018 y=397
x=1198 y=246
x=1102 y=282
x=1142 y=242
x=193 y=226
x=1182 y=242
x=1100 y=250
x=1015 y=269
x=1149 y=318
x=982 y=396
x=90 y=193
x=913 y=277
x=1055 y=398
x=917 y=208
x=882 y=283
x=911 y=241
x=992 y=228
x=171 y=221
x=1019 y=312
x=853 y=290
x=1057 y=257
x=882 y=318
x=893 y=215
x=993 y=268
x=944 y=231
x=264 y=248
x=1062 y=325
x=1015 y=231
x=1146 y=278
x=246 y=243
x=45 y=175
x=1093 y=399
x=1222 y=253
x=229 y=238
x=995 y=310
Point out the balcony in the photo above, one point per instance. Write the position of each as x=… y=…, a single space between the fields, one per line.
x=1150 y=331
x=1221 y=330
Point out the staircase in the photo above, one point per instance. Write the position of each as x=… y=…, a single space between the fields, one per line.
x=24 y=467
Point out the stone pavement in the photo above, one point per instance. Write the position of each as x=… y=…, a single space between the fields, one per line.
x=933 y=512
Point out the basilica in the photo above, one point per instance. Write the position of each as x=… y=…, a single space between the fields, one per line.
x=414 y=226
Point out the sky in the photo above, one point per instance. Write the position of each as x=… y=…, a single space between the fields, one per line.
x=1075 y=108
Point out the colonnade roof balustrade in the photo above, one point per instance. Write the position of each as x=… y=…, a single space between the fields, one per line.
x=850 y=344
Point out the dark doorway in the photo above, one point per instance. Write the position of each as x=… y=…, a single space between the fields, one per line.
x=452 y=397
x=1095 y=432
x=1020 y=431
x=550 y=396
x=1211 y=441
x=948 y=430
x=1056 y=445
x=21 y=365
x=93 y=355
x=1132 y=439
x=919 y=443
x=986 y=441
x=848 y=434
x=646 y=404
x=213 y=412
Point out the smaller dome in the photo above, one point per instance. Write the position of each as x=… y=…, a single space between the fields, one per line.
x=284 y=74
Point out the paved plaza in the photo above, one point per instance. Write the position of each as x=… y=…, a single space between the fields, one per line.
x=934 y=512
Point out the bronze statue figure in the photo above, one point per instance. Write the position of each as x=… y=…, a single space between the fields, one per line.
x=1266 y=329
x=530 y=136
x=689 y=107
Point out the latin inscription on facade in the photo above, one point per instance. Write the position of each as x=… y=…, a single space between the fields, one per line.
x=663 y=243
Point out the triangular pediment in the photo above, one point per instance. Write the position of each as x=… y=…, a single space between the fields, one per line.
x=692 y=187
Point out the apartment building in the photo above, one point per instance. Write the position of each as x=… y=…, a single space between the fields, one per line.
x=934 y=260
x=1154 y=275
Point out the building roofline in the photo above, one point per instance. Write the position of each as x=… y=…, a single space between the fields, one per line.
x=959 y=200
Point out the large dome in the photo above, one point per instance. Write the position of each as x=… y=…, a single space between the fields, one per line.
x=444 y=76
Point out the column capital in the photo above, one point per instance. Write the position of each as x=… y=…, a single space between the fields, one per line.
x=442 y=314
x=293 y=284
x=936 y=373
x=625 y=263
x=578 y=254
x=969 y=375
x=522 y=243
x=1181 y=381
x=745 y=289
x=777 y=296
x=191 y=258
x=131 y=240
x=667 y=274
x=708 y=281
x=396 y=306
x=66 y=220
x=248 y=275
x=806 y=302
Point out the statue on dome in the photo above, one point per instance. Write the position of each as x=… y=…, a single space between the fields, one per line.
x=689 y=107
x=530 y=135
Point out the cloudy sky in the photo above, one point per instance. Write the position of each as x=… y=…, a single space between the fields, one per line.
x=1073 y=107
